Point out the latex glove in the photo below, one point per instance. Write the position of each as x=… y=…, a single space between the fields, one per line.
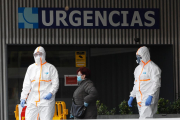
x=130 y=101
x=71 y=116
x=48 y=96
x=22 y=103
x=86 y=104
x=148 y=100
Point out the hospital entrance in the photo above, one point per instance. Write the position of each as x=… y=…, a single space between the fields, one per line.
x=112 y=69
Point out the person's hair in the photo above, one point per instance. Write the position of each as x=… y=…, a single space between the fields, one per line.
x=84 y=71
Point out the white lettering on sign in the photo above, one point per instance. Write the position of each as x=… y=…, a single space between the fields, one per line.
x=151 y=19
x=86 y=18
x=136 y=21
x=111 y=18
x=77 y=19
x=102 y=18
x=124 y=18
x=99 y=18
x=44 y=18
x=62 y=19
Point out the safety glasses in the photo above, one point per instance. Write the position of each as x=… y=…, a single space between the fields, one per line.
x=138 y=56
x=38 y=54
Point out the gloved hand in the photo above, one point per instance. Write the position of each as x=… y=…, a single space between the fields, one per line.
x=48 y=96
x=130 y=101
x=71 y=116
x=22 y=103
x=148 y=100
x=86 y=104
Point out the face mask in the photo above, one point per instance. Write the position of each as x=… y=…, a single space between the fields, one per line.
x=37 y=60
x=138 y=59
x=79 y=78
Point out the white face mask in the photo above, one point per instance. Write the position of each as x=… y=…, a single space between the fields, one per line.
x=38 y=60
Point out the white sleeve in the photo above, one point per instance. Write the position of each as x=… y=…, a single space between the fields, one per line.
x=133 y=92
x=156 y=79
x=54 y=79
x=26 y=86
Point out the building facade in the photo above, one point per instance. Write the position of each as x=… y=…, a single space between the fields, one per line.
x=10 y=34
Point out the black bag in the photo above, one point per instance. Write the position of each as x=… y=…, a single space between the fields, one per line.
x=78 y=111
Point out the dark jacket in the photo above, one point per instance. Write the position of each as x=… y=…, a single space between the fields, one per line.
x=86 y=92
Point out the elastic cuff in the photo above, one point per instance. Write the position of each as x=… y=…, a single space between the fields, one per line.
x=132 y=97
x=151 y=95
x=23 y=99
x=51 y=91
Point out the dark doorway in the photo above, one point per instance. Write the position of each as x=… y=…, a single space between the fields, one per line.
x=113 y=68
x=21 y=56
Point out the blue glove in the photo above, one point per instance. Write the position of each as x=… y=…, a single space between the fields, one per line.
x=130 y=101
x=71 y=116
x=22 y=103
x=148 y=100
x=48 y=96
x=86 y=104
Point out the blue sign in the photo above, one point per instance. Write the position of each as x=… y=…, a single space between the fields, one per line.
x=89 y=18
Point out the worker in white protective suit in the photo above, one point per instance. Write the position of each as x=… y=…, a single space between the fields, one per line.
x=146 y=85
x=41 y=82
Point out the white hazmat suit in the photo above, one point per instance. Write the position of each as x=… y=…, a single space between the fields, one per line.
x=41 y=78
x=147 y=83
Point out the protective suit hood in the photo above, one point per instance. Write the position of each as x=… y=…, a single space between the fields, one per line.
x=144 y=53
x=38 y=59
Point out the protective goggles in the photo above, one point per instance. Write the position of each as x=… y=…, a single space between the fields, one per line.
x=138 y=56
x=38 y=54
